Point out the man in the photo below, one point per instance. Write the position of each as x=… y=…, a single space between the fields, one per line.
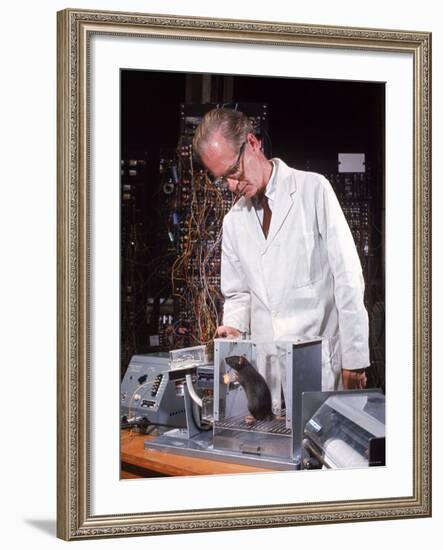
x=290 y=269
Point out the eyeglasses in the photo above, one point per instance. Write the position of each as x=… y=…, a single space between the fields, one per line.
x=222 y=181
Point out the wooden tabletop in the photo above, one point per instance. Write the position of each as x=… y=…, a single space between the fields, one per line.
x=145 y=461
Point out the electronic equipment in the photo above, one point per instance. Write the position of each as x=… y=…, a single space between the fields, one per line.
x=206 y=409
x=272 y=443
x=152 y=389
x=344 y=429
x=147 y=393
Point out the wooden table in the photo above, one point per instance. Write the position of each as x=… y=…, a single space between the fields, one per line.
x=136 y=461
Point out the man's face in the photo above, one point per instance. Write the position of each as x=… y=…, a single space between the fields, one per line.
x=240 y=168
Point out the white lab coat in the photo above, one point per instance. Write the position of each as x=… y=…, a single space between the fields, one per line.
x=304 y=281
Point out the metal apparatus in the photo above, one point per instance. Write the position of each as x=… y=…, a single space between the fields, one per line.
x=270 y=443
x=344 y=429
x=148 y=394
x=277 y=439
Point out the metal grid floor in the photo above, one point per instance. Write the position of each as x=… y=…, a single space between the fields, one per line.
x=274 y=426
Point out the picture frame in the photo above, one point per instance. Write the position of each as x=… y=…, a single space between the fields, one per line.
x=78 y=251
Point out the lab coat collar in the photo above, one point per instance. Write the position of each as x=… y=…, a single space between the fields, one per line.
x=285 y=188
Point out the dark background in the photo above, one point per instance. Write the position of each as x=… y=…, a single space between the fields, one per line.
x=309 y=122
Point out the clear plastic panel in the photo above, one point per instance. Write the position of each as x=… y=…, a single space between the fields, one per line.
x=188 y=357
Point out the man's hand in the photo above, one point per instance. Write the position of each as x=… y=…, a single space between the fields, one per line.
x=354 y=379
x=227 y=332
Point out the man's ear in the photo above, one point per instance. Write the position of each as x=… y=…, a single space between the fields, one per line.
x=253 y=142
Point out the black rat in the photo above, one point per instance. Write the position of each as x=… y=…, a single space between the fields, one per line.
x=256 y=389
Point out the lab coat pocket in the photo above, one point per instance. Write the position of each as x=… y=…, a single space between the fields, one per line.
x=306 y=259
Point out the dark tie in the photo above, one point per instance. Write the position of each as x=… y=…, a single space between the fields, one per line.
x=267 y=214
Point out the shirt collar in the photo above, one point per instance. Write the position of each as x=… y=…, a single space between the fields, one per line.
x=272 y=183
x=271 y=187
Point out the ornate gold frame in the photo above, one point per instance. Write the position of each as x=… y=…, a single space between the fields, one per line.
x=75 y=28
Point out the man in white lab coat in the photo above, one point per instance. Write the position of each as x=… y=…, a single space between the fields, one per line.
x=290 y=269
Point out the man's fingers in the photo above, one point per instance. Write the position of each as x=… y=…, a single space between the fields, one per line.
x=225 y=332
x=353 y=380
x=364 y=381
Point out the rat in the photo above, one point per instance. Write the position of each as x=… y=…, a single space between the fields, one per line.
x=256 y=389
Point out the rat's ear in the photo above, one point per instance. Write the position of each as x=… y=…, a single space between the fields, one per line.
x=242 y=360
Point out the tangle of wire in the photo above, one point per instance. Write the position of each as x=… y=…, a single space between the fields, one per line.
x=197 y=269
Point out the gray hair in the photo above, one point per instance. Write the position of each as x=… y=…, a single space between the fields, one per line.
x=233 y=125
